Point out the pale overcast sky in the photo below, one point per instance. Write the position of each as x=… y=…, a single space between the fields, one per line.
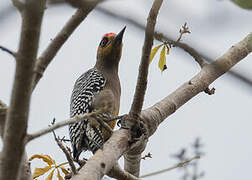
x=222 y=121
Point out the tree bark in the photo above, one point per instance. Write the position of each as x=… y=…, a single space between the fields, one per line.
x=17 y=114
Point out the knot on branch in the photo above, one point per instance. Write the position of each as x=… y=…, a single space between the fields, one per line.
x=138 y=132
x=135 y=124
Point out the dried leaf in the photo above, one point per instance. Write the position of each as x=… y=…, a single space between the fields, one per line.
x=59 y=176
x=154 y=51
x=162 y=60
x=50 y=176
x=45 y=158
x=64 y=170
x=40 y=171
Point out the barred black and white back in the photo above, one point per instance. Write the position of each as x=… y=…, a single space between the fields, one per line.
x=83 y=136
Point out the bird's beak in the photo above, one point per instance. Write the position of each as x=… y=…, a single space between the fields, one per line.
x=118 y=39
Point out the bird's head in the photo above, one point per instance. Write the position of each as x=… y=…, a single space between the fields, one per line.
x=110 y=49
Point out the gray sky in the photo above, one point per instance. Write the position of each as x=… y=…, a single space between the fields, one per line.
x=223 y=121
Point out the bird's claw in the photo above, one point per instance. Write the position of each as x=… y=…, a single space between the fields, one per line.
x=121 y=125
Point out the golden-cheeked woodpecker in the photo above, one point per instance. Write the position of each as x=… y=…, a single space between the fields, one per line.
x=98 y=88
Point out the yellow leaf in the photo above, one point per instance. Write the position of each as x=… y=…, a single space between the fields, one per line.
x=50 y=176
x=64 y=170
x=59 y=176
x=40 y=171
x=45 y=158
x=168 y=50
x=162 y=60
x=154 y=51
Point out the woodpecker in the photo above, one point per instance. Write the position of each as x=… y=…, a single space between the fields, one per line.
x=98 y=88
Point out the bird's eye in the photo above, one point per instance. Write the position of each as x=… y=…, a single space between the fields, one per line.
x=104 y=42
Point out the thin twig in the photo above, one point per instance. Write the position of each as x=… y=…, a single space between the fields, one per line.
x=184 y=30
x=73 y=120
x=66 y=152
x=8 y=51
x=189 y=50
x=181 y=164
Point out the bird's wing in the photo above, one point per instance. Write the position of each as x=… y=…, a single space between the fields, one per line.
x=82 y=135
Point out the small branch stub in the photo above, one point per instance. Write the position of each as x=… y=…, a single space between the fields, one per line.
x=149 y=155
x=209 y=91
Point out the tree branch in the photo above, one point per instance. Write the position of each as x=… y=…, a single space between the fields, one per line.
x=8 y=51
x=104 y=159
x=55 y=126
x=137 y=104
x=117 y=173
x=132 y=159
x=155 y=115
x=24 y=171
x=67 y=154
x=17 y=115
x=50 y=52
x=181 y=164
x=189 y=50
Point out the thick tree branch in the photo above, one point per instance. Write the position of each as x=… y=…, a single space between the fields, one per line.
x=117 y=173
x=17 y=115
x=132 y=159
x=153 y=116
x=24 y=171
x=104 y=159
x=50 y=52
x=187 y=48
